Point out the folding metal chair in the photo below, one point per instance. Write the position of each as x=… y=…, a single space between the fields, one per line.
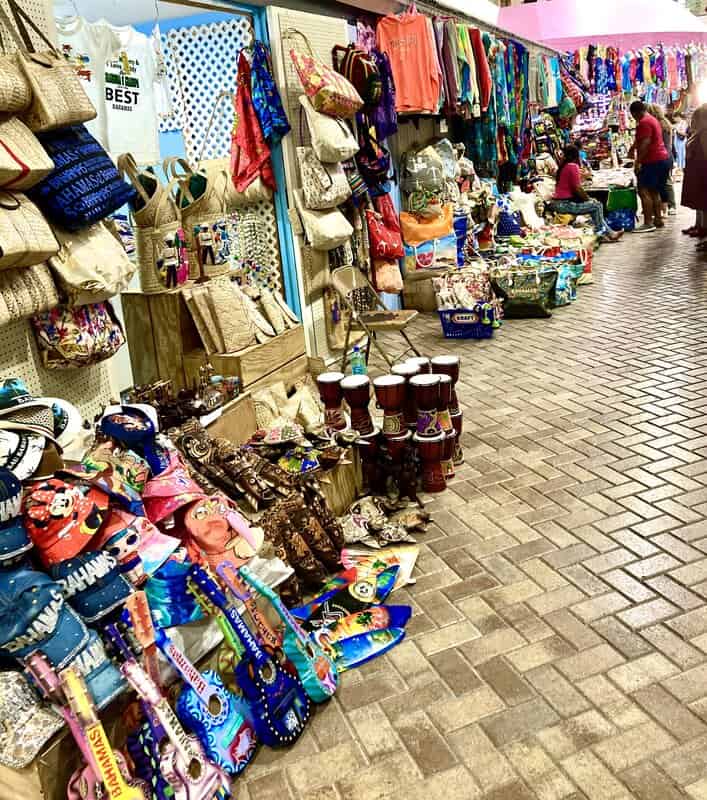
x=367 y=313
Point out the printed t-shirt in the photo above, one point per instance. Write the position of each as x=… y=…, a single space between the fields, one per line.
x=649 y=128
x=570 y=180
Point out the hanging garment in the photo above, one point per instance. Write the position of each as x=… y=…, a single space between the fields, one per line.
x=497 y=53
x=266 y=97
x=384 y=116
x=250 y=154
x=365 y=36
x=450 y=64
x=610 y=63
x=407 y=41
x=482 y=69
x=438 y=64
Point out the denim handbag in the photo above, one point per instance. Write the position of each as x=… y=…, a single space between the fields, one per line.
x=85 y=186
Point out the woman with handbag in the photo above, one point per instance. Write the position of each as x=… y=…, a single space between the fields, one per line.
x=694 y=185
x=570 y=197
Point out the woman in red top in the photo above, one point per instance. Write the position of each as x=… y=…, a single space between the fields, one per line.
x=652 y=166
x=570 y=197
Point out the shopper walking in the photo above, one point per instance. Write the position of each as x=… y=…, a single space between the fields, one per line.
x=667 y=192
x=570 y=197
x=652 y=166
x=679 y=142
x=694 y=185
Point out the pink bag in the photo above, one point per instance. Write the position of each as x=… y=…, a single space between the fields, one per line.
x=387 y=276
x=329 y=92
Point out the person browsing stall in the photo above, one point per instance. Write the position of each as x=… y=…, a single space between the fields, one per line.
x=652 y=166
x=570 y=197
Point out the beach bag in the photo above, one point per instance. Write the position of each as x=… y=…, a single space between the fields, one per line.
x=25 y=237
x=57 y=98
x=23 y=160
x=386 y=276
x=91 y=265
x=361 y=70
x=84 y=187
x=621 y=219
x=76 y=337
x=620 y=199
x=417 y=230
x=323 y=185
x=324 y=230
x=385 y=242
x=433 y=254
x=332 y=140
x=329 y=92
x=25 y=292
x=526 y=293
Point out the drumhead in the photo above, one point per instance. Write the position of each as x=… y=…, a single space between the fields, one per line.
x=446 y=361
x=405 y=369
x=330 y=377
x=442 y=378
x=355 y=381
x=389 y=380
x=421 y=361
x=417 y=439
x=425 y=380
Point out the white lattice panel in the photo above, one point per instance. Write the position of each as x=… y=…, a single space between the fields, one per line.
x=204 y=62
x=323 y=33
x=258 y=239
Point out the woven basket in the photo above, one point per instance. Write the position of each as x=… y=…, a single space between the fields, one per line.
x=150 y=245
x=15 y=92
x=25 y=292
x=23 y=160
x=150 y=192
x=25 y=237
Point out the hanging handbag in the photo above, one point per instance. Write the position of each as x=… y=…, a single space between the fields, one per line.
x=75 y=337
x=385 y=242
x=23 y=161
x=373 y=159
x=387 y=277
x=25 y=236
x=323 y=185
x=329 y=92
x=15 y=91
x=84 y=187
x=331 y=139
x=162 y=252
x=91 y=265
x=315 y=271
x=57 y=97
x=324 y=230
x=25 y=292
x=417 y=230
x=361 y=70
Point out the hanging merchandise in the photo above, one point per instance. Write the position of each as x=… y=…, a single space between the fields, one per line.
x=386 y=276
x=84 y=186
x=91 y=265
x=407 y=39
x=329 y=92
x=25 y=237
x=323 y=185
x=130 y=98
x=25 y=292
x=266 y=97
x=250 y=154
x=361 y=70
x=75 y=337
x=332 y=139
x=373 y=159
x=88 y=47
x=384 y=116
x=23 y=160
x=386 y=242
x=324 y=230
x=57 y=96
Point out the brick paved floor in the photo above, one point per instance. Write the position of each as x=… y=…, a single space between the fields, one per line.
x=557 y=648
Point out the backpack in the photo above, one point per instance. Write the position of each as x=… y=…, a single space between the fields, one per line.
x=360 y=69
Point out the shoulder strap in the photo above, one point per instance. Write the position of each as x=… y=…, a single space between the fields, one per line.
x=168 y=197
x=22 y=19
x=291 y=33
x=127 y=166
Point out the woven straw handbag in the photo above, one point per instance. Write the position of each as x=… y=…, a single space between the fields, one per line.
x=147 y=209
x=162 y=254
x=15 y=92
x=25 y=292
x=25 y=237
x=208 y=227
x=23 y=160
x=91 y=265
x=58 y=98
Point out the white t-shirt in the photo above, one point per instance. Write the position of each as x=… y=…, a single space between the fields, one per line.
x=89 y=47
x=130 y=98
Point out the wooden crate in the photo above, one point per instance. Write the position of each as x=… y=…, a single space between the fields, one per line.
x=261 y=361
x=237 y=421
x=160 y=332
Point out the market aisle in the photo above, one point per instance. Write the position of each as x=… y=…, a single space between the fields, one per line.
x=560 y=630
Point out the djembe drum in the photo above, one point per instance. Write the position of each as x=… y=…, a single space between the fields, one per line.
x=408 y=371
x=331 y=394
x=450 y=439
x=445 y=397
x=449 y=365
x=390 y=393
x=423 y=364
x=357 y=392
x=457 y=420
x=431 y=451
x=402 y=464
x=368 y=447
x=426 y=390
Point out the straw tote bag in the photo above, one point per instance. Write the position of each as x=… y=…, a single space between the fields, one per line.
x=149 y=192
x=15 y=92
x=208 y=228
x=324 y=230
x=323 y=185
x=25 y=292
x=58 y=98
x=91 y=265
x=329 y=92
x=23 y=160
x=332 y=139
x=25 y=237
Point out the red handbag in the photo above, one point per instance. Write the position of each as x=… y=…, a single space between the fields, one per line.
x=385 y=242
x=384 y=206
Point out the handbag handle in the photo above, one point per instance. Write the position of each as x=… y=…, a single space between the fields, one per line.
x=291 y=33
x=13 y=203
x=168 y=197
x=21 y=17
x=128 y=166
